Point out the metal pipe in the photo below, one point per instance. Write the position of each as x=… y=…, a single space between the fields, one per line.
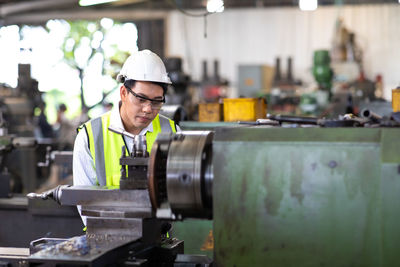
x=293 y=119
x=366 y=113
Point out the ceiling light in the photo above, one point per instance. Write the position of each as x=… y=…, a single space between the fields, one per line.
x=94 y=2
x=216 y=6
x=308 y=5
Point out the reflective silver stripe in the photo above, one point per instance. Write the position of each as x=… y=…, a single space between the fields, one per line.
x=165 y=125
x=97 y=130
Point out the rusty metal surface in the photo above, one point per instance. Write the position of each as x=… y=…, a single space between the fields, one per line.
x=306 y=197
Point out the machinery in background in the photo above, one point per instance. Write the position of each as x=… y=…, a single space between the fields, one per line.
x=23 y=154
x=284 y=191
x=19 y=154
x=214 y=87
x=185 y=94
x=25 y=220
x=322 y=71
x=178 y=99
x=177 y=113
x=179 y=79
x=280 y=88
x=210 y=90
x=25 y=162
x=17 y=104
x=255 y=80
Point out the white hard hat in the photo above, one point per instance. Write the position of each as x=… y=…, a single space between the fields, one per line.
x=144 y=66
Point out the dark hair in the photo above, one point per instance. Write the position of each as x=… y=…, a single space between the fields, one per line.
x=131 y=84
x=62 y=107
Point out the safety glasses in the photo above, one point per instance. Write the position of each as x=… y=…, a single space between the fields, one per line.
x=145 y=101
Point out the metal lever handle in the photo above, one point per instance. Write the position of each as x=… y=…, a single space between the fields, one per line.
x=121 y=132
x=139 y=141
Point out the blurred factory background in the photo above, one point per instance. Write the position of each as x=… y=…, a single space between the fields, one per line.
x=251 y=49
x=246 y=61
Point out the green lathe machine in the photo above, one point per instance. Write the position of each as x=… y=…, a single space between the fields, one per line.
x=277 y=195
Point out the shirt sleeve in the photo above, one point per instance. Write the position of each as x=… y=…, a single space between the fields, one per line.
x=83 y=169
x=178 y=129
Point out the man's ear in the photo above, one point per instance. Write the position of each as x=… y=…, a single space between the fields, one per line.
x=123 y=92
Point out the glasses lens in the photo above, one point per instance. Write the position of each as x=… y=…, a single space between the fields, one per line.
x=144 y=101
x=156 y=104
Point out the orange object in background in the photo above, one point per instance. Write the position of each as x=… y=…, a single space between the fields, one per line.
x=396 y=99
x=210 y=112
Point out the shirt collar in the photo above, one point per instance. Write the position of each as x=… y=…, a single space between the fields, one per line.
x=116 y=121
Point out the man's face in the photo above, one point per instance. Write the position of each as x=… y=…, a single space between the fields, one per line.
x=136 y=111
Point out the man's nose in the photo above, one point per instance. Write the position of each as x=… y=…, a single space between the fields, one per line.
x=147 y=108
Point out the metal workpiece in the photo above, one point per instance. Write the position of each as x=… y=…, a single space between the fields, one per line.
x=180 y=173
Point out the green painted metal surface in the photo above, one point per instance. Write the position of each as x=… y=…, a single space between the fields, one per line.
x=197 y=236
x=306 y=197
x=196 y=126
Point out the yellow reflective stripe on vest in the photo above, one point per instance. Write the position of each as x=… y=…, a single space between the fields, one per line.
x=96 y=137
x=160 y=124
x=112 y=146
x=89 y=132
x=106 y=146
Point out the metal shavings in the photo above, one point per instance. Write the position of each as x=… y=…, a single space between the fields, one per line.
x=76 y=246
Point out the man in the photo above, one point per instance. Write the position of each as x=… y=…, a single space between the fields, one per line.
x=66 y=129
x=46 y=130
x=97 y=150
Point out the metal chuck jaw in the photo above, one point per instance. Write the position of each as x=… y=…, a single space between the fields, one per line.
x=180 y=175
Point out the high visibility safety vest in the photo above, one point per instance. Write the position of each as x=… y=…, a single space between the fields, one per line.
x=106 y=146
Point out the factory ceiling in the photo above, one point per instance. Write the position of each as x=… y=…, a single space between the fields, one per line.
x=39 y=11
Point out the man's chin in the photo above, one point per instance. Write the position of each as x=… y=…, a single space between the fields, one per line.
x=142 y=124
